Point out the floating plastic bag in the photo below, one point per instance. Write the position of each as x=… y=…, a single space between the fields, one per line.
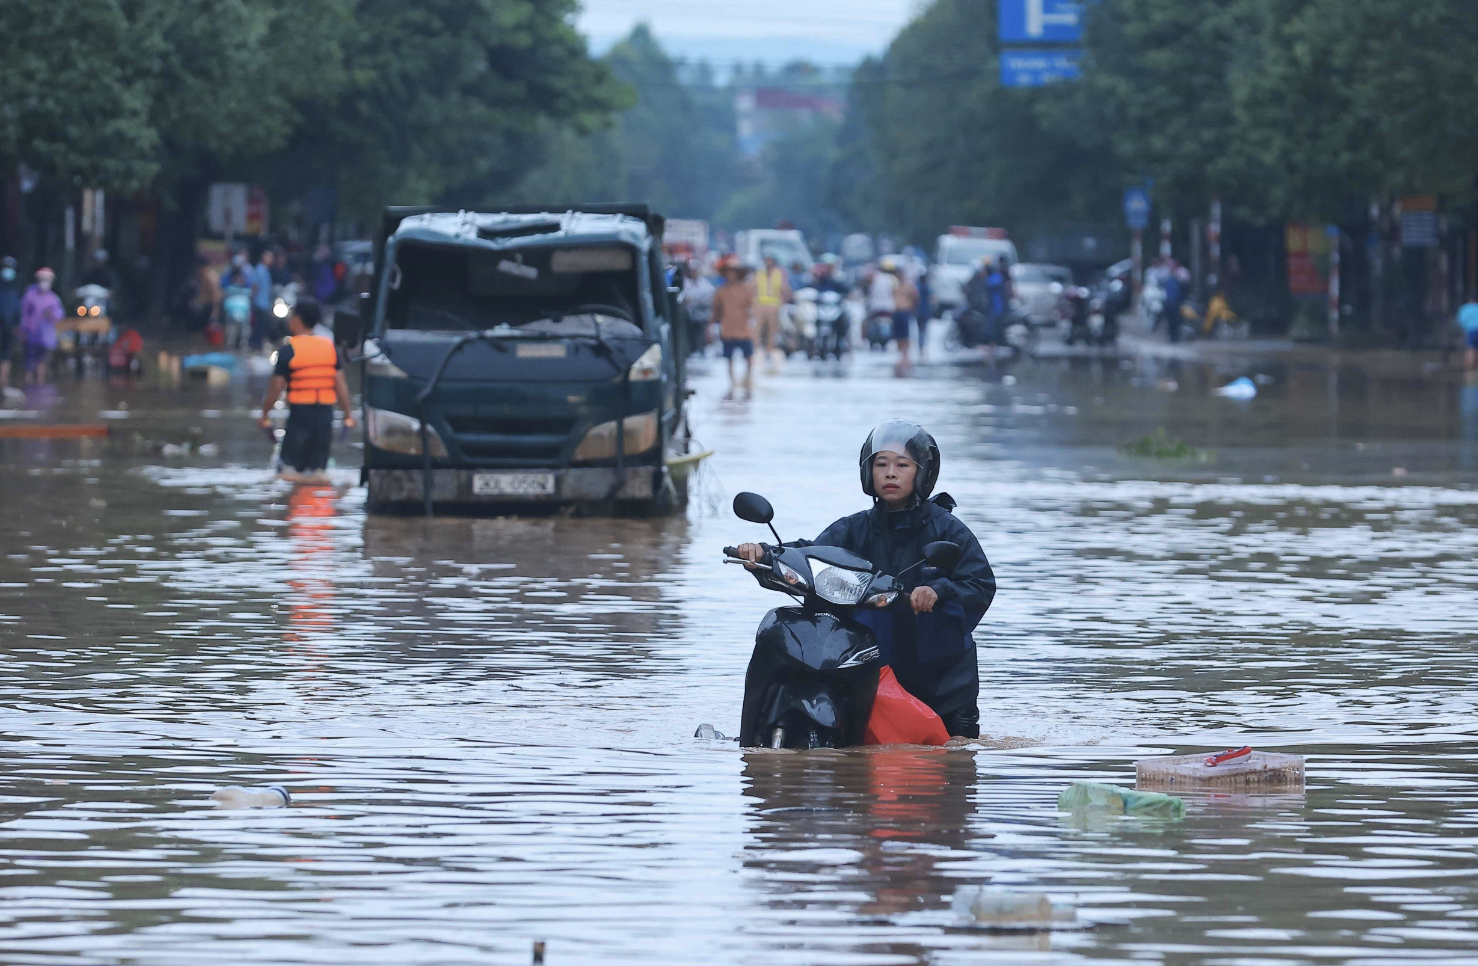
x=899 y=718
x=1100 y=797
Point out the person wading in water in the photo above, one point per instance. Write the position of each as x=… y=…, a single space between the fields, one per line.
x=310 y=369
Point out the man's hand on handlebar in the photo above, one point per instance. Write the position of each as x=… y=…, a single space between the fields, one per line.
x=751 y=553
x=923 y=599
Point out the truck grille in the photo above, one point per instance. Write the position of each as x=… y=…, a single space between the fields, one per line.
x=511 y=440
x=511 y=426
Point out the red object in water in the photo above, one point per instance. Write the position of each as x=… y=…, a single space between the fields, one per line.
x=1228 y=755
x=124 y=348
x=899 y=718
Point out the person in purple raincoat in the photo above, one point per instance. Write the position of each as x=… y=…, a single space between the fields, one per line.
x=41 y=310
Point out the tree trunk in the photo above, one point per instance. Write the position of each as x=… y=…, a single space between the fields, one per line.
x=173 y=259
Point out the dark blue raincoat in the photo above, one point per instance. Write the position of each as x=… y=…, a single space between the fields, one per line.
x=932 y=654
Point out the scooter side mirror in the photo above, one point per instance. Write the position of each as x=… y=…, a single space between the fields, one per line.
x=942 y=554
x=753 y=508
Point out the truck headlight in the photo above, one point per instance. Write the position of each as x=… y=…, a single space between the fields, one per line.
x=600 y=442
x=648 y=366
x=399 y=433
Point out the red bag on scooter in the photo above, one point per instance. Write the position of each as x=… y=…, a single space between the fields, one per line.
x=899 y=718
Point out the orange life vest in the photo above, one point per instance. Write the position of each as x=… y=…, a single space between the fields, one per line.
x=314 y=373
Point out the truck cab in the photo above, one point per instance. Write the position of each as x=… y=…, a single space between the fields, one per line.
x=520 y=357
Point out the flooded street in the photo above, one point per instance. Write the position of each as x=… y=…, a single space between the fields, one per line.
x=486 y=725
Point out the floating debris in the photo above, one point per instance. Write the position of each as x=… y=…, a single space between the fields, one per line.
x=1102 y=797
x=1239 y=388
x=1158 y=445
x=1251 y=768
x=234 y=796
x=998 y=909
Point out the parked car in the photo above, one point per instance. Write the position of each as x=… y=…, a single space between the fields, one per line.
x=955 y=255
x=1038 y=290
x=788 y=246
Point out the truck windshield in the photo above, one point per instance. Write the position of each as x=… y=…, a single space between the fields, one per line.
x=446 y=288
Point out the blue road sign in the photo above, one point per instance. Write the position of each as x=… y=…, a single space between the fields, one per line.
x=1034 y=21
x=1033 y=68
x=1136 y=208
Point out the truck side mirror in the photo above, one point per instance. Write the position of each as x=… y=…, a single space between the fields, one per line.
x=348 y=328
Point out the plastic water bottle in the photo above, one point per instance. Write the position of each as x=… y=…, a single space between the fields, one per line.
x=234 y=796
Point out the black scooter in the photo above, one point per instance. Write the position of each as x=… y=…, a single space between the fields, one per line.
x=814 y=671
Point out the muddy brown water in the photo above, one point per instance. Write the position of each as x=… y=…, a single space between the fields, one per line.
x=487 y=724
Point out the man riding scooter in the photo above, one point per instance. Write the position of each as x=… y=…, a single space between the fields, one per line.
x=926 y=635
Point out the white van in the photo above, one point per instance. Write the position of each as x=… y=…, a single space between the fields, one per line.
x=788 y=246
x=955 y=256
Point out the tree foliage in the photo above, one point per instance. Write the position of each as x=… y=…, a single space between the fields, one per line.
x=389 y=101
x=673 y=145
x=1282 y=108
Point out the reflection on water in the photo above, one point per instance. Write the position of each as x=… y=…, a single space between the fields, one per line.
x=486 y=723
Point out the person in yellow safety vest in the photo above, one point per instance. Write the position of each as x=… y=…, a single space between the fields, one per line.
x=309 y=367
x=771 y=290
x=1218 y=311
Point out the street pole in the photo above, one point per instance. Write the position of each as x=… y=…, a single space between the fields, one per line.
x=1333 y=231
x=1213 y=237
x=1198 y=287
x=1136 y=254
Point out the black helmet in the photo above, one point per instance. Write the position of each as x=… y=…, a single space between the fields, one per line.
x=906 y=439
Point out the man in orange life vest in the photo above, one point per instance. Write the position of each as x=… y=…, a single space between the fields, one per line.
x=309 y=368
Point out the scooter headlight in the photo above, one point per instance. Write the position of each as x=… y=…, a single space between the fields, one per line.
x=280 y=309
x=838 y=584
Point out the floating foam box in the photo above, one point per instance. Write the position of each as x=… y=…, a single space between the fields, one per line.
x=1261 y=768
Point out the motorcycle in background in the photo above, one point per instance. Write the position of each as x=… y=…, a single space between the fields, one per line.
x=833 y=326
x=798 y=324
x=878 y=329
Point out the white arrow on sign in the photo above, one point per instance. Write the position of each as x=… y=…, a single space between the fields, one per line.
x=1037 y=18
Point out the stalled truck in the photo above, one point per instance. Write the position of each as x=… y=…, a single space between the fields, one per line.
x=521 y=357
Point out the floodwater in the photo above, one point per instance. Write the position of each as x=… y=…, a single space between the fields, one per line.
x=486 y=725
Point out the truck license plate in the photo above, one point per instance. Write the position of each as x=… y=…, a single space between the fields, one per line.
x=512 y=484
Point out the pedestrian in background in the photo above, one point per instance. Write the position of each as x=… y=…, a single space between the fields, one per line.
x=925 y=312
x=697 y=299
x=204 y=302
x=1467 y=317
x=905 y=303
x=41 y=310
x=10 y=314
x=261 y=297
x=771 y=290
x=733 y=310
x=325 y=282
x=310 y=368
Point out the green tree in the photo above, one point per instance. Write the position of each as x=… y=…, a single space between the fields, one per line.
x=447 y=100
x=73 y=106
x=945 y=143
x=673 y=146
x=1354 y=99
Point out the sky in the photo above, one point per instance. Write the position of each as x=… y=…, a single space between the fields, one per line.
x=773 y=31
